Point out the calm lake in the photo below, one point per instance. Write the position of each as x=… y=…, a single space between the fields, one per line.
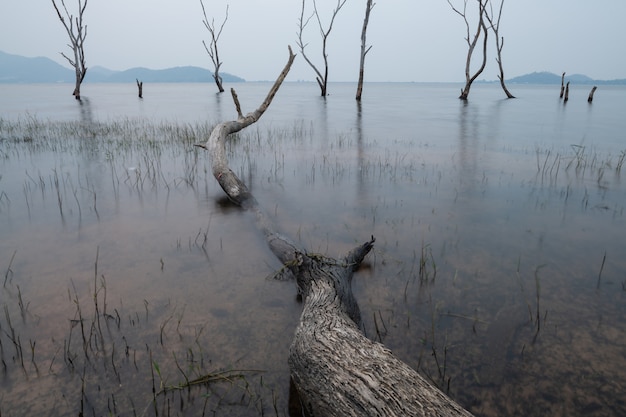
x=132 y=286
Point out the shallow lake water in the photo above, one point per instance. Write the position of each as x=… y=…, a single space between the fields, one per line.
x=131 y=286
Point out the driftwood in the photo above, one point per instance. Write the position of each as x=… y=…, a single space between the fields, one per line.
x=566 y=96
x=591 y=93
x=335 y=369
x=562 y=85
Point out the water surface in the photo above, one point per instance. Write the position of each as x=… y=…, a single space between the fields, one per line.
x=498 y=269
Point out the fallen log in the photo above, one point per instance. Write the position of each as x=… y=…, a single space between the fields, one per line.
x=335 y=369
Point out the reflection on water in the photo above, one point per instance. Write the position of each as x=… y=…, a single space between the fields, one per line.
x=497 y=272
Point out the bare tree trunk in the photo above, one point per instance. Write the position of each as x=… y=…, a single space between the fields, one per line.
x=591 y=93
x=562 y=85
x=140 y=88
x=364 y=49
x=212 y=48
x=481 y=28
x=499 y=45
x=322 y=80
x=335 y=369
x=77 y=33
x=566 y=96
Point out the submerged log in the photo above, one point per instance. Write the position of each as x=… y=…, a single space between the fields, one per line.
x=591 y=93
x=335 y=369
x=566 y=96
x=562 y=85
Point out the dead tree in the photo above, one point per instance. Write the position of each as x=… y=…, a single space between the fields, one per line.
x=322 y=79
x=566 y=96
x=211 y=49
x=364 y=48
x=562 y=85
x=335 y=369
x=77 y=32
x=495 y=27
x=140 y=88
x=481 y=29
x=591 y=93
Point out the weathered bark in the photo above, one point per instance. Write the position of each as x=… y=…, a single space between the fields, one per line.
x=140 y=88
x=322 y=79
x=562 y=85
x=591 y=93
x=495 y=27
x=234 y=188
x=364 y=49
x=335 y=369
x=212 y=48
x=566 y=96
x=481 y=28
x=77 y=35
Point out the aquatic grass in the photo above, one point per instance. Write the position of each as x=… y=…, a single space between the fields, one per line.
x=9 y=272
x=601 y=269
x=4 y=198
x=135 y=150
x=620 y=161
x=167 y=164
x=99 y=359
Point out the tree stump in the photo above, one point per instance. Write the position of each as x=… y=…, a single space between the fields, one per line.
x=140 y=88
x=591 y=93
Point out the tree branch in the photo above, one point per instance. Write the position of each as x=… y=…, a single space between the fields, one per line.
x=234 y=188
x=364 y=49
x=77 y=40
x=302 y=25
x=212 y=48
x=322 y=80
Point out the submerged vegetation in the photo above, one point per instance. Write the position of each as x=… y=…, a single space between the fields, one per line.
x=131 y=287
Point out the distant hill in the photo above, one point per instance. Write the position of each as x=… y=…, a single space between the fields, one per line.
x=169 y=75
x=551 y=78
x=19 y=69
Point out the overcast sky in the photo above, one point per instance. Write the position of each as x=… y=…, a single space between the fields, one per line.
x=412 y=40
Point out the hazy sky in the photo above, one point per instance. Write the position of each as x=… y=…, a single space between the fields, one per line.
x=412 y=40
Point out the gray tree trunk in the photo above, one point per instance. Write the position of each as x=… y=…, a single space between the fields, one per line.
x=591 y=93
x=77 y=33
x=337 y=370
x=364 y=49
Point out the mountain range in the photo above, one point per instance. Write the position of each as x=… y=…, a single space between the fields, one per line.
x=19 y=69
x=550 y=78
